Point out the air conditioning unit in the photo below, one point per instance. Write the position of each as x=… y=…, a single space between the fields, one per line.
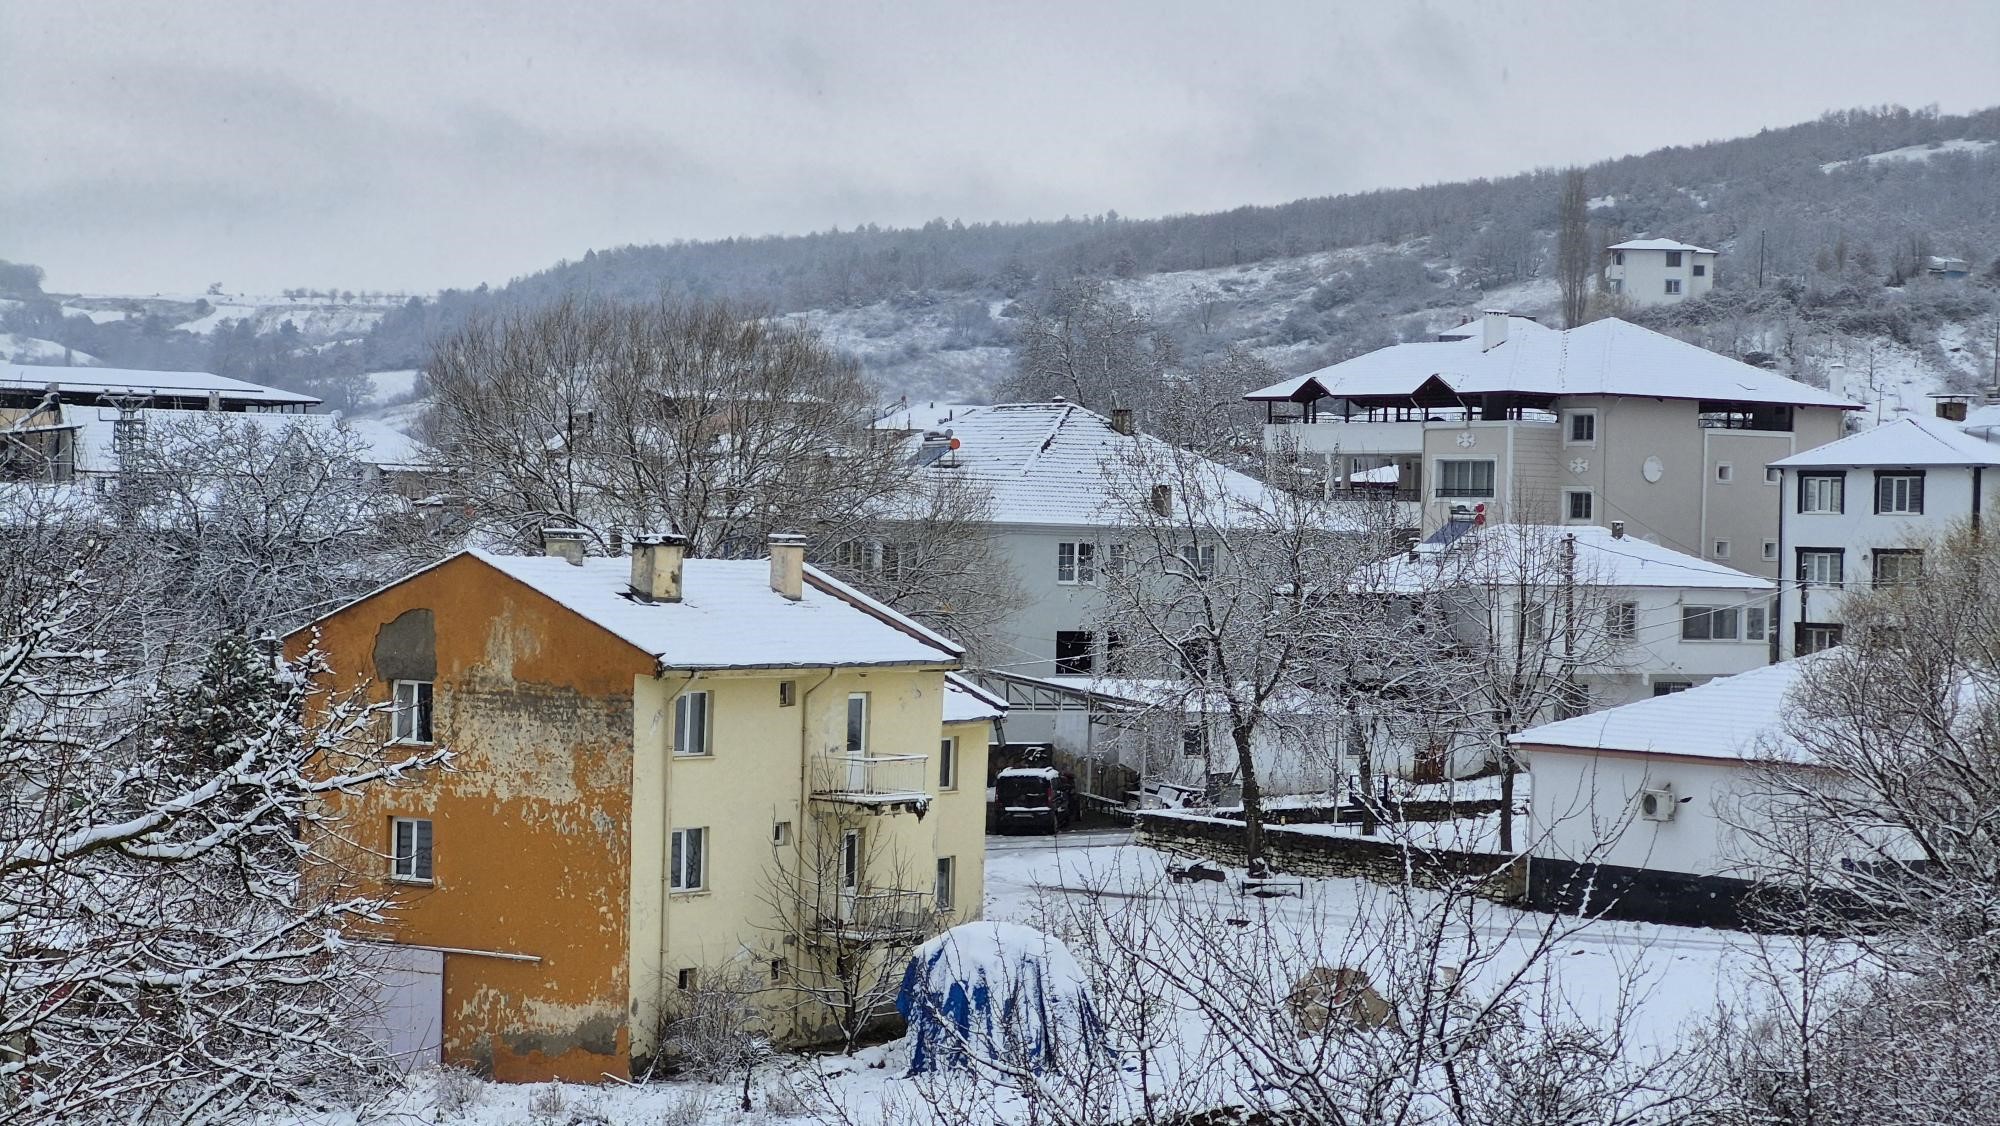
x=1658 y=804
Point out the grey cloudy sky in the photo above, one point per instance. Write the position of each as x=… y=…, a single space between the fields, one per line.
x=160 y=146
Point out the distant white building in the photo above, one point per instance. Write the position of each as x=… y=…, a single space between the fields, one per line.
x=1858 y=513
x=1658 y=271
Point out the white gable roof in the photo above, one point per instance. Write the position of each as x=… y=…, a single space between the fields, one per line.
x=1496 y=554
x=1044 y=463
x=1659 y=244
x=1739 y=717
x=1607 y=357
x=105 y=381
x=730 y=618
x=1904 y=442
x=379 y=444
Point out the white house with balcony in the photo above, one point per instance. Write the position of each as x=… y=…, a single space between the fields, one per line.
x=1506 y=419
x=1860 y=512
x=1658 y=271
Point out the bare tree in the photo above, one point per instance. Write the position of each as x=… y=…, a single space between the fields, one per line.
x=1575 y=256
x=699 y=417
x=715 y=1029
x=1235 y=591
x=847 y=904
x=1088 y=346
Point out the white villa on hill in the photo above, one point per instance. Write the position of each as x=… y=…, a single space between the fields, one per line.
x=1658 y=271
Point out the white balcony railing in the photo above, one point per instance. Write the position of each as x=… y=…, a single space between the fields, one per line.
x=877 y=780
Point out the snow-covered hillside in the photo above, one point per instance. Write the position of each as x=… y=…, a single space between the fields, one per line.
x=1919 y=153
x=18 y=349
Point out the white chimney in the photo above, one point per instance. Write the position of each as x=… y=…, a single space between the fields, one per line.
x=1492 y=329
x=563 y=543
x=215 y=400
x=1836 y=379
x=656 y=566
x=788 y=564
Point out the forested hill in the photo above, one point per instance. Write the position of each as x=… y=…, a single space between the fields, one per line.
x=1840 y=205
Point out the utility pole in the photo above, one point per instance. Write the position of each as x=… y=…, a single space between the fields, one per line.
x=1760 y=259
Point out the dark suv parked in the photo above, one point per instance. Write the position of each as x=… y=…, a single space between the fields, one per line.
x=1034 y=797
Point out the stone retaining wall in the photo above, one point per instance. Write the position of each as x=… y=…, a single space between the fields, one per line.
x=1316 y=854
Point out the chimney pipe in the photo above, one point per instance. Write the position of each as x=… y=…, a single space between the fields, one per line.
x=656 y=566
x=1618 y=529
x=788 y=564
x=215 y=400
x=1492 y=329
x=1121 y=419
x=564 y=543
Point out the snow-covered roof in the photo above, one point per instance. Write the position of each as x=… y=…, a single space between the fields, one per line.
x=966 y=702
x=1044 y=463
x=730 y=618
x=1168 y=692
x=1048 y=772
x=197 y=384
x=922 y=416
x=1983 y=418
x=1659 y=244
x=381 y=445
x=1739 y=717
x=1607 y=357
x=1904 y=442
x=1501 y=553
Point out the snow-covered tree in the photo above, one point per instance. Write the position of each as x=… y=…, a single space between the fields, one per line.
x=170 y=935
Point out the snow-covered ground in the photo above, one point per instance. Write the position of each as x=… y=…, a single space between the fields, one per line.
x=1917 y=153
x=1671 y=979
x=16 y=348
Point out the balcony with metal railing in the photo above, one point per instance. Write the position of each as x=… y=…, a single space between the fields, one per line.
x=887 y=915
x=887 y=783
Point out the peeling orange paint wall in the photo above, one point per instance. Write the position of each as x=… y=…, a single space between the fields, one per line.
x=531 y=827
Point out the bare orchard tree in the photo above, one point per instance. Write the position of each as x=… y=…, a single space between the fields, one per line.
x=1575 y=255
x=170 y=940
x=715 y=1029
x=1083 y=343
x=1232 y=590
x=847 y=906
x=252 y=523
x=1508 y=619
x=705 y=419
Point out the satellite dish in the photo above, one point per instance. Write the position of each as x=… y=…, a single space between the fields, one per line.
x=1653 y=470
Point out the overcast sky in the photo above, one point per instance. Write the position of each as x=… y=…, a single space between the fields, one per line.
x=158 y=147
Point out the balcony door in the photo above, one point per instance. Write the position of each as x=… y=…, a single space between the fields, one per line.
x=850 y=872
x=857 y=742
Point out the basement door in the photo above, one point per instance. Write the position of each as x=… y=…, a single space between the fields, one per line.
x=406 y=984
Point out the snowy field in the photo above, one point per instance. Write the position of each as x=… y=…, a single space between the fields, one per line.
x=1664 y=980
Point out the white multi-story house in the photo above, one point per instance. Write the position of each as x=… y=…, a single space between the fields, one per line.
x=1507 y=419
x=1859 y=513
x=1648 y=620
x=1658 y=271
x=1055 y=515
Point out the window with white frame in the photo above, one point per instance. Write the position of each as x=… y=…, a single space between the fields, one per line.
x=1822 y=566
x=1577 y=506
x=1669 y=687
x=688 y=864
x=1618 y=258
x=1076 y=562
x=1822 y=493
x=410 y=849
x=411 y=721
x=1673 y=285
x=1673 y=259
x=948 y=764
x=1895 y=567
x=1700 y=270
x=1582 y=430
x=1711 y=623
x=691 y=726
x=1756 y=623
x=1465 y=477
x=1199 y=558
x=1114 y=558
x=1899 y=493
x=1617 y=285
x=1622 y=621
x=857 y=723
x=947 y=879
